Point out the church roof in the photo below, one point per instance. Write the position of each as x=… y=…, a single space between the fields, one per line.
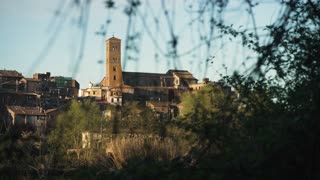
x=141 y=79
x=144 y=79
x=184 y=75
x=170 y=71
x=143 y=74
x=181 y=74
x=113 y=38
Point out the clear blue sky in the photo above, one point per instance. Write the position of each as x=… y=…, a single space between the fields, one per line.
x=27 y=26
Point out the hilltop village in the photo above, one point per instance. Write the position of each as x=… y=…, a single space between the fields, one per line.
x=36 y=102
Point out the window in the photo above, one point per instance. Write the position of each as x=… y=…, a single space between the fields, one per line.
x=114 y=68
x=114 y=48
x=114 y=78
x=94 y=92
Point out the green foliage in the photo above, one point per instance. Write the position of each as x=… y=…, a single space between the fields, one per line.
x=18 y=154
x=80 y=117
x=207 y=112
x=277 y=132
x=137 y=119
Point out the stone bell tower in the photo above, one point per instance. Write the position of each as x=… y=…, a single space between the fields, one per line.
x=113 y=63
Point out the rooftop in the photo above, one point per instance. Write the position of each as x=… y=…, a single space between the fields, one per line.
x=184 y=75
x=31 y=79
x=28 y=110
x=10 y=73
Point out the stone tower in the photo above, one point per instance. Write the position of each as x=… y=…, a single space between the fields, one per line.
x=113 y=63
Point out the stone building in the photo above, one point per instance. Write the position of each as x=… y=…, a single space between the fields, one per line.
x=92 y=91
x=55 y=86
x=42 y=76
x=35 y=117
x=29 y=85
x=118 y=86
x=9 y=80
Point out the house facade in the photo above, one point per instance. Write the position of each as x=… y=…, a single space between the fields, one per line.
x=35 y=118
x=9 y=80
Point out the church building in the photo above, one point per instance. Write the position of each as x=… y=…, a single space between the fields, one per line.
x=118 y=86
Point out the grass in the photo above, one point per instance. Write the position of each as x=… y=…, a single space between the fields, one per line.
x=121 y=150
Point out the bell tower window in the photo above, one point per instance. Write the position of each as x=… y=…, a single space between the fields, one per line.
x=114 y=78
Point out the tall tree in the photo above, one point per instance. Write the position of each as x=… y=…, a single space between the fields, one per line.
x=80 y=117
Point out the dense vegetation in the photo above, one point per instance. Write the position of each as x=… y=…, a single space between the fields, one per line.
x=268 y=128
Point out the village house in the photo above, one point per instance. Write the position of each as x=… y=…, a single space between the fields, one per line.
x=36 y=118
x=29 y=85
x=9 y=80
x=29 y=101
